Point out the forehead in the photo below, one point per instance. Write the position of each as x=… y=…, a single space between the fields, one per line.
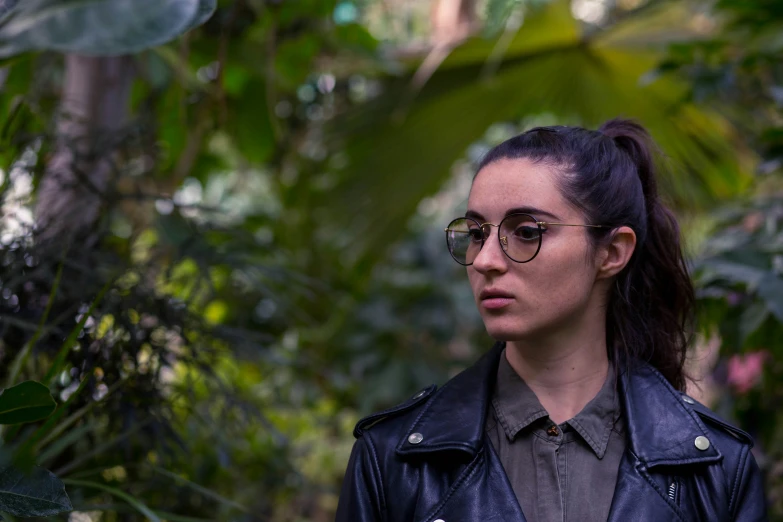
x=511 y=183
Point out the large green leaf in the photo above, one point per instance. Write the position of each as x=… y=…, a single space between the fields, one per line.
x=401 y=146
x=28 y=401
x=37 y=494
x=98 y=27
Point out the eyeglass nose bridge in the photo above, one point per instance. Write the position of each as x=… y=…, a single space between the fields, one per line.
x=487 y=233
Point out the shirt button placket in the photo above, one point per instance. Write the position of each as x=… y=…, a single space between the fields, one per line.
x=551 y=482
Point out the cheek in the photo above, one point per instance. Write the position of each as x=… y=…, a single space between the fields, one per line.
x=558 y=275
x=564 y=276
x=475 y=279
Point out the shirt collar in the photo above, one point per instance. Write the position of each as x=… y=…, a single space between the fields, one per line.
x=517 y=407
x=596 y=420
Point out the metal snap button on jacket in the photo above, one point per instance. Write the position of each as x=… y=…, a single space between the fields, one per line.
x=688 y=399
x=419 y=396
x=415 y=438
x=702 y=443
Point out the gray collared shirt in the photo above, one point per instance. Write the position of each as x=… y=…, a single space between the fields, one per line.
x=563 y=473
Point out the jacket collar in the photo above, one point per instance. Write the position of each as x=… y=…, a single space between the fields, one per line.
x=453 y=419
x=661 y=428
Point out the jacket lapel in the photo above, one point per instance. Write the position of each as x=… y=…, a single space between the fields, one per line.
x=662 y=431
x=482 y=492
x=453 y=419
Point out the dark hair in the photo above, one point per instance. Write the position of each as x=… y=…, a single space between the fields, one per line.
x=609 y=174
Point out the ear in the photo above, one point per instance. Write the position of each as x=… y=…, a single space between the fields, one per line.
x=613 y=256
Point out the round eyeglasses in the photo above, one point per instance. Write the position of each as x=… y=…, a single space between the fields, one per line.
x=519 y=236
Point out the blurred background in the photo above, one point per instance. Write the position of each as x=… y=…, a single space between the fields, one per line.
x=221 y=240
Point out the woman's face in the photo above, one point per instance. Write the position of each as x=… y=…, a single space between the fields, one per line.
x=519 y=301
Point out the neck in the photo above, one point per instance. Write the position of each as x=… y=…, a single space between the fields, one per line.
x=565 y=371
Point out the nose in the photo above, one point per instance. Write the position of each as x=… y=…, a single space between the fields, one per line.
x=491 y=256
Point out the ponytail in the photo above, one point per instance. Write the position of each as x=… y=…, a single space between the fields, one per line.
x=609 y=175
x=651 y=305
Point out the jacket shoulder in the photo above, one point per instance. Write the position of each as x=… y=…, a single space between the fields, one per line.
x=400 y=412
x=716 y=423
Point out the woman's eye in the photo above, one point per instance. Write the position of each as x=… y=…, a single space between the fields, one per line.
x=526 y=233
x=476 y=235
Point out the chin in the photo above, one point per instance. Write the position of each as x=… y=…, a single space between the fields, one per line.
x=505 y=330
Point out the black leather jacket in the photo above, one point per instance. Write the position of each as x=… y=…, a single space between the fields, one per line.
x=427 y=460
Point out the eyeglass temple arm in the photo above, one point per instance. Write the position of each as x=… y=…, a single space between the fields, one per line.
x=546 y=223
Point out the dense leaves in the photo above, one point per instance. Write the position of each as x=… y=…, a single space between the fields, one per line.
x=551 y=66
x=738 y=71
x=268 y=261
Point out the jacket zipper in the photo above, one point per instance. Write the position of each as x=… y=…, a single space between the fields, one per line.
x=673 y=491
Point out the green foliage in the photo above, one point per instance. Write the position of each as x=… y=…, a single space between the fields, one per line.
x=269 y=261
x=25 y=490
x=741 y=264
x=35 y=494
x=28 y=401
x=740 y=281
x=736 y=71
x=550 y=66
x=130 y=499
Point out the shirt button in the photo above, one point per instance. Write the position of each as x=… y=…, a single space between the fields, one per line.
x=553 y=431
x=688 y=399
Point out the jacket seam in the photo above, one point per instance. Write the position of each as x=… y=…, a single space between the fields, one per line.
x=738 y=478
x=371 y=420
x=379 y=476
x=473 y=467
x=711 y=419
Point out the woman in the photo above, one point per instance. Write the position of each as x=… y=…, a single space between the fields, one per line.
x=577 y=413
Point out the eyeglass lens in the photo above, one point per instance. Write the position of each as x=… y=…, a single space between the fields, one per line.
x=519 y=235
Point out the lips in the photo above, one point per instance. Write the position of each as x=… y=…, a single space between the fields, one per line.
x=495 y=299
x=494 y=294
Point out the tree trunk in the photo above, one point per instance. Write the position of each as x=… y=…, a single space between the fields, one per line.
x=94 y=107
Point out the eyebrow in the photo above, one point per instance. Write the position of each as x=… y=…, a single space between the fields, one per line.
x=518 y=210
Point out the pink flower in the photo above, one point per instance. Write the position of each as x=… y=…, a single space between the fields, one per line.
x=745 y=370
